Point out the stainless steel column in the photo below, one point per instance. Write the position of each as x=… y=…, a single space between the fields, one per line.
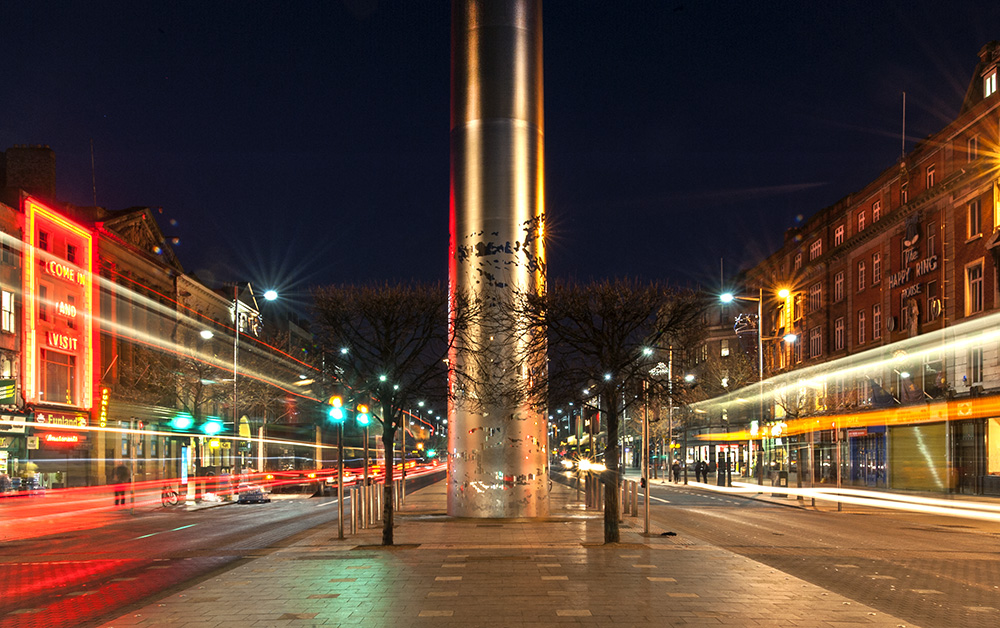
x=497 y=449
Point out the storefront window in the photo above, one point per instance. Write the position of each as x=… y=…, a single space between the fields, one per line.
x=993 y=445
x=58 y=377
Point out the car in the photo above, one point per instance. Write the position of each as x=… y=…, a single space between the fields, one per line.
x=251 y=494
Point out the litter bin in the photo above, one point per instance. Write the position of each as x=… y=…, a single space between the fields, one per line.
x=779 y=479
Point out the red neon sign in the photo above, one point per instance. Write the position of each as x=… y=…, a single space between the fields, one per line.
x=62 y=271
x=61 y=439
x=60 y=341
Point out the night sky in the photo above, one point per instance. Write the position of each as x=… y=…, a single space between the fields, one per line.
x=298 y=143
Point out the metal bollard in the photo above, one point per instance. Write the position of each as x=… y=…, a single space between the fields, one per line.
x=635 y=499
x=623 y=501
x=379 y=499
x=354 y=509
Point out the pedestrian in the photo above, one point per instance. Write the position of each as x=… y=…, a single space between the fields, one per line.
x=120 y=478
x=699 y=470
x=675 y=468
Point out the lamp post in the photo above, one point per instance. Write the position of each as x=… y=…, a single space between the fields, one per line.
x=729 y=298
x=789 y=338
x=269 y=295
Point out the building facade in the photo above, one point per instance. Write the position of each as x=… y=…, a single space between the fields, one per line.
x=112 y=356
x=892 y=291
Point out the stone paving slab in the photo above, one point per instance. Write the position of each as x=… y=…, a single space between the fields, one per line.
x=520 y=573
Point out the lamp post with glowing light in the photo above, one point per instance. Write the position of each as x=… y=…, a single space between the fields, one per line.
x=784 y=293
x=729 y=298
x=252 y=320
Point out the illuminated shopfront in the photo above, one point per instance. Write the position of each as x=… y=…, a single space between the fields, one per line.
x=58 y=354
x=58 y=310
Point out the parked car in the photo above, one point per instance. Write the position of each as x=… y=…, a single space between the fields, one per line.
x=251 y=494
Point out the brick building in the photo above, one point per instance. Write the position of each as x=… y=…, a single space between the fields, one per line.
x=891 y=289
x=105 y=342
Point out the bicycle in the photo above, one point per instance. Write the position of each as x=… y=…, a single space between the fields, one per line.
x=169 y=497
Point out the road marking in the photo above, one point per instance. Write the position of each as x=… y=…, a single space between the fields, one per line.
x=332 y=501
x=660 y=499
x=146 y=536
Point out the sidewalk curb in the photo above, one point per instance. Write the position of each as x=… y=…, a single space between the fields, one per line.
x=759 y=496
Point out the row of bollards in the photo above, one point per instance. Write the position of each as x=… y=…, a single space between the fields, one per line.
x=368 y=501
x=628 y=502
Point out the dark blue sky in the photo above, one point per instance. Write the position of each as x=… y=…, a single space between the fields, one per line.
x=295 y=143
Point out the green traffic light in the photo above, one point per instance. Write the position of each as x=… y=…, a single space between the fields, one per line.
x=212 y=427
x=362 y=416
x=336 y=414
x=182 y=422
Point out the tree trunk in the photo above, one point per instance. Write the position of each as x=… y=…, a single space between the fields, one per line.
x=388 y=438
x=612 y=492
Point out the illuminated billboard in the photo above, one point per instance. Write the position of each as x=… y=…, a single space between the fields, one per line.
x=58 y=309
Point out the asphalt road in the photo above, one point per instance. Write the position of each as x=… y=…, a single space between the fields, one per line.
x=86 y=576
x=928 y=569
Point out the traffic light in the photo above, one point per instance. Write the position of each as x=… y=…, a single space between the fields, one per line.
x=362 y=416
x=336 y=408
x=212 y=426
x=182 y=422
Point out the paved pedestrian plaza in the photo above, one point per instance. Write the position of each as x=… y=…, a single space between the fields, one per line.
x=469 y=572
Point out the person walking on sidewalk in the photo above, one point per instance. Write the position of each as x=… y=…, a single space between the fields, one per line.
x=120 y=478
x=675 y=468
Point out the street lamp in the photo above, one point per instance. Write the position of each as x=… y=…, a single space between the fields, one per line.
x=729 y=298
x=251 y=317
x=789 y=338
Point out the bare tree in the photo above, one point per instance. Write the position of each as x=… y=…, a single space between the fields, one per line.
x=388 y=342
x=602 y=336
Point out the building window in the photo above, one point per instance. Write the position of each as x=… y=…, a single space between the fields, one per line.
x=797 y=262
x=838 y=334
x=9 y=255
x=975 y=370
x=903 y=195
x=70 y=253
x=7 y=312
x=725 y=348
x=838 y=287
x=876 y=321
x=931 y=301
x=861 y=221
x=973 y=148
x=990 y=83
x=58 y=372
x=904 y=313
x=861 y=327
x=974 y=288
x=876 y=211
x=876 y=268
x=931 y=237
x=70 y=321
x=815 y=342
x=798 y=309
x=861 y=276
x=815 y=297
x=930 y=176
x=815 y=249
x=838 y=235
x=43 y=240
x=975 y=220
x=43 y=303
